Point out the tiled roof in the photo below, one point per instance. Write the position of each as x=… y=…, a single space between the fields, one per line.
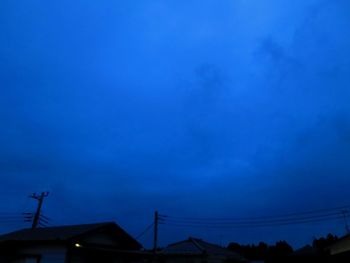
x=196 y=246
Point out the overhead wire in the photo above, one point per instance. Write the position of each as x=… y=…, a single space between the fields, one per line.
x=254 y=221
x=320 y=215
x=250 y=225
x=145 y=231
x=292 y=215
x=11 y=217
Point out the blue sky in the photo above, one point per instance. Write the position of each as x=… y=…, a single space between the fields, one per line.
x=200 y=108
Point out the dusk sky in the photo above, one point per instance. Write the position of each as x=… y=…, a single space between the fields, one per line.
x=225 y=108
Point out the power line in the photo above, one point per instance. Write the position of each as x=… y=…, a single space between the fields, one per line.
x=220 y=226
x=155 y=236
x=145 y=231
x=251 y=221
x=289 y=215
x=11 y=220
x=7 y=218
x=11 y=217
x=344 y=213
x=313 y=216
x=5 y=214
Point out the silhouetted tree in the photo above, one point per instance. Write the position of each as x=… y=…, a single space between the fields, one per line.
x=262 y=251
x=279 y=252
x=324 y=242
x=235 y=247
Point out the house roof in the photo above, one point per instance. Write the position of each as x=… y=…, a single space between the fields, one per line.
x=68 y=233
x=196 y=246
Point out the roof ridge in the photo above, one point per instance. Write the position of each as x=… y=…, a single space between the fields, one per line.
x=77 y=225
x=195 y=242
x=60 y=228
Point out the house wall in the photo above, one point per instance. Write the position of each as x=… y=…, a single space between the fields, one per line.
x=27 y=260
x=185 y=260
x=340 y=247
x=101 y=239
x=103 y=258
x=208 y=259
x=48 y=254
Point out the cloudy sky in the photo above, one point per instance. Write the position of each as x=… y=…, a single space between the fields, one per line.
x=229 y=108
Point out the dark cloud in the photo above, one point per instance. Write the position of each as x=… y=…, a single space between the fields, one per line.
x=271 y=50
x=126 y=108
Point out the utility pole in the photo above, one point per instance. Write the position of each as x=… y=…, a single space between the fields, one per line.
x=155 y=240
x=40 y=199
x=347 y=229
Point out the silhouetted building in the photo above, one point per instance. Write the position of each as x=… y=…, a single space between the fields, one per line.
x=339 y=251
x=194 y=250
x=103 y=242
x=307 y=254
x=324 y=250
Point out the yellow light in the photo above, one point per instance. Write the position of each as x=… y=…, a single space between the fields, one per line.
x=77 y=245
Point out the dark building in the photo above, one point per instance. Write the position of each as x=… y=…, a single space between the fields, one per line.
x=194 y=250
x=103 y=242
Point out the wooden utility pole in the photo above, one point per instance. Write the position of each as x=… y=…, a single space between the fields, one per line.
x=155 y=239
x=40 y=199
